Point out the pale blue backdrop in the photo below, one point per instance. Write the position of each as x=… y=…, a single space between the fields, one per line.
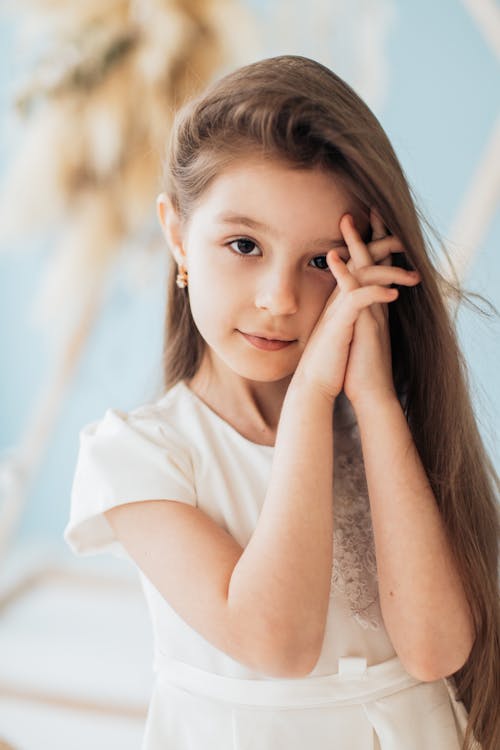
x=441 y=105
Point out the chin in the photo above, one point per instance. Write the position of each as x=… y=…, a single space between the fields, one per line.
x=262 y=373
x=258 y=366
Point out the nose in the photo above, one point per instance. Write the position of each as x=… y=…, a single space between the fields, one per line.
x=277 y=293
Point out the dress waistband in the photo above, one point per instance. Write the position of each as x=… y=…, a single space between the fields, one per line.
x=355 y=683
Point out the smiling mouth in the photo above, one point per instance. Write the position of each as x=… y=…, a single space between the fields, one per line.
x=267 y=344
x=268 y=338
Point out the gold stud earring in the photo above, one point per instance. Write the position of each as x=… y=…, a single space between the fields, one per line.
x=182 y=278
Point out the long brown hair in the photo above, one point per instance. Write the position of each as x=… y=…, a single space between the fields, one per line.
x=297 y=110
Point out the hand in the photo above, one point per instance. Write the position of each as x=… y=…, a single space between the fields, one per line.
x=360 y=285
x=324 y=360
x=369 y=367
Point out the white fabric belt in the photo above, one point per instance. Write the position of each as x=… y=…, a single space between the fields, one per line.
x=354 y=684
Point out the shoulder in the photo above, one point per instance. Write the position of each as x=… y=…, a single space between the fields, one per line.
x=144 y=452
x=126 y=457
x=154 y=423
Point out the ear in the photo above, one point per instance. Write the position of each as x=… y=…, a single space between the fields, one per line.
x=171 y=227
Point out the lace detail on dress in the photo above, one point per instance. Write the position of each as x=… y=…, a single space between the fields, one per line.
x=354 y=571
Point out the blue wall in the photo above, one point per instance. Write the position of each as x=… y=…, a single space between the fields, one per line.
x=441 y=105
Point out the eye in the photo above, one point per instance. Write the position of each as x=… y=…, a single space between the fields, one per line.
x=323 y=264
x=244 y=246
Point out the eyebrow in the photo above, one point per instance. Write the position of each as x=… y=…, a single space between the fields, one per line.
x=232 y=218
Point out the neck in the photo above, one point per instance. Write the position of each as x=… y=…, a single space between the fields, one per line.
x=252 y=407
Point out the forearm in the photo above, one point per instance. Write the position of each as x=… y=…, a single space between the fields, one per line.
x=421 y=595
x=281 y=582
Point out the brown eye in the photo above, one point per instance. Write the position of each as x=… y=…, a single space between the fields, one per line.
x=323 y=264
x=244 y=246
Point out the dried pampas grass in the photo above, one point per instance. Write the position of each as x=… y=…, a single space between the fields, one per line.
x=98 y=104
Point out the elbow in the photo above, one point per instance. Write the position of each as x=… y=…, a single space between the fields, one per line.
x=424 y=673
x=304 y=658
x=280 y=650
x=303 y=664
x=273 y=649
x=437 y=657
x=296 y=659
x=302 y=653
x=437 y=667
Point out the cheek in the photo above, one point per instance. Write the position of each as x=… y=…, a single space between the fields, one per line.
x=316 y=302
x=205 y=282
x=211 y=300
x=216 y=281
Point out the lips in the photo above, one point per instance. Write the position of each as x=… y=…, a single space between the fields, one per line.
x=269 y=336
x=262 y=342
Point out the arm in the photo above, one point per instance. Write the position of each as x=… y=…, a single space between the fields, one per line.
x=282 y=579
x=421 y=595
x=265 y=605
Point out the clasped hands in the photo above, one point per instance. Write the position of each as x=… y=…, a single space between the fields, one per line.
x=368 y=372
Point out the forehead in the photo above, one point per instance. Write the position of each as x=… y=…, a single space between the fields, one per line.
x=281 y=201
x=274 y=192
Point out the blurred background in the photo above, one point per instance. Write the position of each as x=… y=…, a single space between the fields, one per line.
x=87 y=92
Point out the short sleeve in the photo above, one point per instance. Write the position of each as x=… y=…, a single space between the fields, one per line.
x=122 y=458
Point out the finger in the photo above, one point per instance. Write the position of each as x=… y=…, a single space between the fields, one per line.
x=381 y=248
x=345 y=280
x=380 y=311
x=378 y=227
x=360 y=255
x=381 y=274
x=379 y=232
x=366 y=296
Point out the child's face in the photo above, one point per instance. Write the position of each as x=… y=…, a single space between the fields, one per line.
x=273 y=281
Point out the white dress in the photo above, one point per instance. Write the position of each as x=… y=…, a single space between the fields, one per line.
x=358 y=697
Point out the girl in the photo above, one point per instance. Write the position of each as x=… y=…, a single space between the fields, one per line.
x=309 y=503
